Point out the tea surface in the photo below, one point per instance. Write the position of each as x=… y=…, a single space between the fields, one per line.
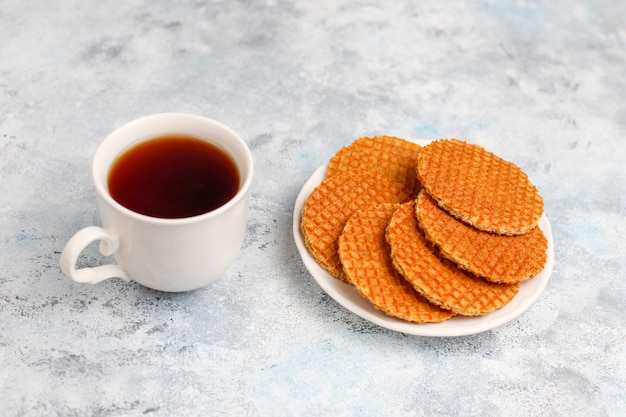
x=173 y=176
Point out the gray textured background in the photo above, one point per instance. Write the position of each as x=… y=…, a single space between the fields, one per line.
x=542 y=84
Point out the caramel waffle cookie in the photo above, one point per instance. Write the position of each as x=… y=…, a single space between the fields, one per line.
x=497 y=258
x=332 y=202
x=436 y=278
x=479 y=187
x=387 y=155
x=367 y=263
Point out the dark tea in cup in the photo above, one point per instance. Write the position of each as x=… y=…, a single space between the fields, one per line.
x=173 y=176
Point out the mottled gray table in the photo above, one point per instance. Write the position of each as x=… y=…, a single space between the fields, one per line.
x=540 y=83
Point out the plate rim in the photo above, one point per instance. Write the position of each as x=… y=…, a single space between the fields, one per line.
x=350 y=299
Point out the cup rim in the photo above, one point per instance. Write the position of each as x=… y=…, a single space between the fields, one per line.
x=241 y=193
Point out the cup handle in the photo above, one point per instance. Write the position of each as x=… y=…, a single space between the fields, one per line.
x=109 y=242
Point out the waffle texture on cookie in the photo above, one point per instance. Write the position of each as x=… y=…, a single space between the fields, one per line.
x=497 y=258
x=332 y=202
x=366 y=261
x=479 y=187
x=438 y=279
x=387 y=155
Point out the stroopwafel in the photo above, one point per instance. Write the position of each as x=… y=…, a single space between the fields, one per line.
x=438 y=279
x=387 y=155
x=367 y=263
x=479 y=187
x=332 y=202
x=497 y=258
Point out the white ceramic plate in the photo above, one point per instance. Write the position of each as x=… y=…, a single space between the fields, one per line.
x=347 y=296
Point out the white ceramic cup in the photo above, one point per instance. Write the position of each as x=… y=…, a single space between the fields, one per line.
x=164 y=254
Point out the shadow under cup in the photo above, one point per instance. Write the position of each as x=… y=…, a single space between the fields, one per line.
x=169 y=254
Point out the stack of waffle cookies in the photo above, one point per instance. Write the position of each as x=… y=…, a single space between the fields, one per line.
x=426 y=233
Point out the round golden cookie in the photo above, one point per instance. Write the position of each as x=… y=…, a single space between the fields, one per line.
x=332 y=202
x=436 y=278
x=478 y=187
x=387 y=155
x=497 y=258
x=366 y=261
